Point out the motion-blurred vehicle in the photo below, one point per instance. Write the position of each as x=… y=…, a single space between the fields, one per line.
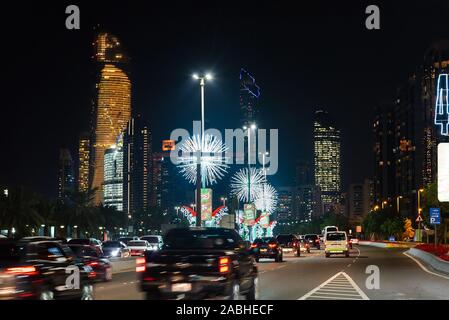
x=314 y=240
x=199 y=263
x=155 y=241
x=115 y=249
x=38 y=270
x=102 y=268
x=304 y=245
x=93 y=243
x=336 y=243
x=353 y=239
x=289 y=243
x=125 y=240
x=138 y=247
x=267 y=247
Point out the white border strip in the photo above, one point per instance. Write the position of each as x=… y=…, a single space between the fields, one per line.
x=423 y=267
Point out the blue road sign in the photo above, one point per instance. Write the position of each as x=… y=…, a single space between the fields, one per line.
x=435 y=216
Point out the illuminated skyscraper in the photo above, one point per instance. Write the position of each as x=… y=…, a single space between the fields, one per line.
x=83 y=163
x=66 y=173
x=137 y=167
x=327 y=158
x=249 y=97
x=113 y=178
x=113 y=109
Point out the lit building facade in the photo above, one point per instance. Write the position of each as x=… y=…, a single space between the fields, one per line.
x=285 y=212
x=113 y=178
x=113 y=108
x=83 y=163
x=359 y=202
x=137 y=165
x=327 y=158
x=249 y=98
x=66 y=173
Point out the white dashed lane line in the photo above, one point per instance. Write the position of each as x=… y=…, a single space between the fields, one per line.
x=339 y=287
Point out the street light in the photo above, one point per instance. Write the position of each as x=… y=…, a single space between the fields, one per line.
x=398 y=200
x=419 y=214
x=384 y=203
x=199 y=180
x=224 y=201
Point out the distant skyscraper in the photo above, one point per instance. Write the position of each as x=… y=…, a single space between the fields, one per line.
x=285 y=212
x=359 y=202
x=137 y=164
x=304 y=174
x=327 y=158
x=113 y=178
x=249 y=97
x=66 y=173
x=83 y=163
x=113 y=109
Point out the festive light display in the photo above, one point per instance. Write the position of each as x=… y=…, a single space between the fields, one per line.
x=217 y=215
x=247 y=184
x=266 y=198
x=213 y=163
x=442 y=104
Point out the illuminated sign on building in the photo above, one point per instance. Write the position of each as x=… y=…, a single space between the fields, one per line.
x=168 y=145
x=443 y=172
x=442 y=104
x=206 y=204
x=249 y=214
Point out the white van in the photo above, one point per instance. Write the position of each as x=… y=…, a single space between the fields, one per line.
x=336 y=243
x=329 y=229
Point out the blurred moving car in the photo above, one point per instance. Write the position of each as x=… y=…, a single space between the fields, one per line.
x=93 y=243
x=199 y=263
x=336 y=243
x=125 y=240
x=138 y=247
x=304 y=245
x=102 y=268
x=289 y=243
x=155 y=241
x=112 y=249
x=37 y=270
x=267 y=247
x=314 y=240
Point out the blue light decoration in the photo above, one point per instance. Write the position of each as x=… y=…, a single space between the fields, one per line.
x=442 y=104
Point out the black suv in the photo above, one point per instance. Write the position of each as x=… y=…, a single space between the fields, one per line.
x=40 y=270
x=314 y=240
x=289 y=243
x=199 y=263
x=267 y=247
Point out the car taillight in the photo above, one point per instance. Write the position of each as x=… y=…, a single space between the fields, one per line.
x=93 y=263
x=27 y=270
x=317 y=240
x=272 y=245
x=295 y=244
x=140 y=264
x=223 y=264
x=254 y=246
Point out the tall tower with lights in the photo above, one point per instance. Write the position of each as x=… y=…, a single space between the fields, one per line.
x=249 y=97
x=113 y=104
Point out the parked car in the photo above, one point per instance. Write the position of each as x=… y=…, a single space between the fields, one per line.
x=154 y=240
x=267 y=247
x=199 y=263
x=138 y=247
x=112 y=249
x=94 y=243
x=37 y=270
x=314 y=240
x=336 y=243
x=102 y=268
x=289 y=243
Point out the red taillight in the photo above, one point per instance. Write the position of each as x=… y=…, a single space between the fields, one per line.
x=93 y=263
x=272 y=245
x=223 y=264
x=28 y=270
x=317 y=240
x=254 y=246
x=140 y=264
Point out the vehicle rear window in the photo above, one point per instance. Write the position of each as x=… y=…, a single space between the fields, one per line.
x=264 y=240
x=286 y=238
x=335 y=236
x=81 y=251
x=311 y=236
x=332 y=229
x=79 y=241
x=151 y=239
x=111 y=244
x=137 y=244
x=202 y=239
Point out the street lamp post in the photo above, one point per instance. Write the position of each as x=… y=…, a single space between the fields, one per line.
x=398 y=202
x=249 y=128
x=419 y=214
x=200 y=181
x=224 y=201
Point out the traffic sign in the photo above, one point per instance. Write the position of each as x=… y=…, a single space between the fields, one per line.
x=435 y=216
x=419 y=219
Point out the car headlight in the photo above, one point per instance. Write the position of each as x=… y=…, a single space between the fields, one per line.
x=115 y=252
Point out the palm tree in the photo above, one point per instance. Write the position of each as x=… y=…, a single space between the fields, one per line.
x=19 y=212
x=78 y=210
x=47 y=210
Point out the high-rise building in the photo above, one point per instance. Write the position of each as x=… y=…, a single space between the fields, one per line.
x=308 y=202
x=113 y=178
x=285 y=212
x=83 y=163
x=66 y=173
x=137 y=165
x=304 y=173
x=113 y=104
x=359 y=202
x=249 y=97
x=327 y=158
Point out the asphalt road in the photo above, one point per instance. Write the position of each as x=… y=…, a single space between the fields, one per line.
x=312 y=276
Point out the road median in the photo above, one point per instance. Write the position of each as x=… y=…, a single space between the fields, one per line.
x=386 y=244
x=435 y=262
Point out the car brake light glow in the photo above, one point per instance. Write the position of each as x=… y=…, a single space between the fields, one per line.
x=28 y=270
x=93 y=263
x=254 y=246
x=272 y=245
x=140 y=264
x=223 y=264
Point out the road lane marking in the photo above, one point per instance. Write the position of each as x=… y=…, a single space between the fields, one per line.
x=423 y=267
x=343 y=288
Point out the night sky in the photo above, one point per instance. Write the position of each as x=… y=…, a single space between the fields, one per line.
x=303 y=57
